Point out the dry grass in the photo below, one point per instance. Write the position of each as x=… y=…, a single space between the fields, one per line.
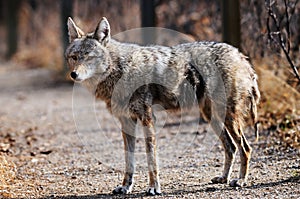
x=7 y=176
x=279 y=108
x=39 y=38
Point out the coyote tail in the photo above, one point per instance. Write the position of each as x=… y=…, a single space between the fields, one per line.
x=255 y=97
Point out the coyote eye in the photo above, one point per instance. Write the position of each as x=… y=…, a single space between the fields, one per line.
x=74 y=57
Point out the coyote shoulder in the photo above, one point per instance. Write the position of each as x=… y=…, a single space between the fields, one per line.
x=131 y=78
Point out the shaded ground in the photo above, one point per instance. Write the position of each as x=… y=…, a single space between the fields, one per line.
x=65 y=151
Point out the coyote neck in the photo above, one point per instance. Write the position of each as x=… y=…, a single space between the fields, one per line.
x=104 y=89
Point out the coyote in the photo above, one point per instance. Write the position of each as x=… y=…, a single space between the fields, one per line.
x=131 y=78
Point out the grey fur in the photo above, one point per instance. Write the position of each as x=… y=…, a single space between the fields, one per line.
x=131 y=78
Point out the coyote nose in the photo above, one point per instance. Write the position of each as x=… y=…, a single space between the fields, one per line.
x=73 y=75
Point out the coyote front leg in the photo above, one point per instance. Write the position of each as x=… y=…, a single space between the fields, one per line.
x=150 y=141
x=128 y=133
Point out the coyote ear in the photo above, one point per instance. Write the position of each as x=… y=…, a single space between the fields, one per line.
x=102 y=32
x=73 y=31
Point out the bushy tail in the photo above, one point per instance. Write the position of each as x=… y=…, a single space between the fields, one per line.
x=255 y=97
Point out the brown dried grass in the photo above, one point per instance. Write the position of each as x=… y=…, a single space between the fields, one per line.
x=7 y=176
x=39 y=37
x=280 y=106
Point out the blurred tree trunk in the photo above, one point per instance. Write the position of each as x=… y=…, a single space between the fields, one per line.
x=11 y=19
x=231 y=22
x=148 y=19
x=1 y=11
x=65 y=12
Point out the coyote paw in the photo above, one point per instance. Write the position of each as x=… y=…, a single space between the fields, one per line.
x=238 y=183
x=152 y=191
x=220 y=180
x=122 y=190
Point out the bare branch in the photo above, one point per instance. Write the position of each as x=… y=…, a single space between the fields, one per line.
x=287 y=27
x=280 y=41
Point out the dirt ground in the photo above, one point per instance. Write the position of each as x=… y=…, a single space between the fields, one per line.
x=59 y=143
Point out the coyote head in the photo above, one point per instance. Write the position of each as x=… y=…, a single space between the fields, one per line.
x=87 y=55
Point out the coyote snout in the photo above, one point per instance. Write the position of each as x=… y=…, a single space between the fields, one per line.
x=73 y=75
x=81 y=73
x=213 y=74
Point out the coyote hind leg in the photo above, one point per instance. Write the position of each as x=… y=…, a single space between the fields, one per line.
x=230 y=150
x=224 y=136
x=245 y=155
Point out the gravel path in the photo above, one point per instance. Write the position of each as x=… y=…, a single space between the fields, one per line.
x=65 y=145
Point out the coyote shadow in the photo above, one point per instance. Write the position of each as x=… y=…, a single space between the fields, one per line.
x=179 y=192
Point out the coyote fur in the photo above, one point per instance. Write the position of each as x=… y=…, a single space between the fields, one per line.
x=131 y=78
